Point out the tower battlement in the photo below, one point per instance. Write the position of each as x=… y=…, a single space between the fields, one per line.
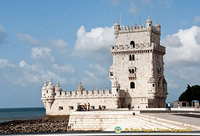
x=135 y=28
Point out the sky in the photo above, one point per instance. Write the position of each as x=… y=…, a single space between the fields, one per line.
x=69 y=40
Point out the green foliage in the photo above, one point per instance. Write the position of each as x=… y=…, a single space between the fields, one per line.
x=191 y=93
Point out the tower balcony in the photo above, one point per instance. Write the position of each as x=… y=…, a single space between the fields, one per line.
x=132 y=76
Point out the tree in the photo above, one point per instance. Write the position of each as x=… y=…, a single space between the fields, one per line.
x=191 y=93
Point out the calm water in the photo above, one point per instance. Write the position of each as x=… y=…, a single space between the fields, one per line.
x=9 y=114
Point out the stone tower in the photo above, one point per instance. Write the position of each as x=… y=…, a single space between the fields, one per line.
x=138 y=65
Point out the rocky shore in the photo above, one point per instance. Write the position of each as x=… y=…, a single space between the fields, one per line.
x=49 y=124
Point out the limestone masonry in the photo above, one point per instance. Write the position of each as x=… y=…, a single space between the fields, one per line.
x=136 y=75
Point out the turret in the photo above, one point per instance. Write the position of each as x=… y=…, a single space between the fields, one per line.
x=44 y=90
x=158 y=26
x=44 y=94
x=50 y=94
x=148 y=23
x=115 y=87
x=80 y=87
x=116 y=29
x=58 y=90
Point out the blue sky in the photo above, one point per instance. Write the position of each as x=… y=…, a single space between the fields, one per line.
x=68 y=41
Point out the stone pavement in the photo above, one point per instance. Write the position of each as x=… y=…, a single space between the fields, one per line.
x=173 y=117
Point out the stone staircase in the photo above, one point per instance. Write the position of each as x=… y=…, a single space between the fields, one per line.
x=108 y=120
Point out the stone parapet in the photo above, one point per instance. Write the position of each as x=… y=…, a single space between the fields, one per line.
x=138 y=47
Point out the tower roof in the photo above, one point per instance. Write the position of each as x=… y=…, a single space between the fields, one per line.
x=50 y=85
x=58 y=88
x=45 y=85
x=80 y=87
x=149 y=20
x=116 y=23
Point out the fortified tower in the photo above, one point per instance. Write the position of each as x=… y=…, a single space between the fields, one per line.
x=138 y=65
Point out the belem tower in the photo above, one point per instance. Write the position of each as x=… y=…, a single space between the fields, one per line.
x=136 y=75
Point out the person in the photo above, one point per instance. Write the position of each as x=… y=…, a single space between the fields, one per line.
x=178 y=105
x=99 y=107
x=88 y=106
x=166 y=106
x=85 y=106
x=129 y=106
x=169 y=106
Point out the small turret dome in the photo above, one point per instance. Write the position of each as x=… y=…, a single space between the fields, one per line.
x=58 y=88
x=45 y=86
x=50 y=85
x=157 y=25
x=149 y=20
x=116 y=23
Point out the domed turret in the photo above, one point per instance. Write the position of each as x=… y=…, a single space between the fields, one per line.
x=158 y=26
x=148 y=22
x=80 y=87
x=116 y=28
x=115 y=87
x=44 y=90
x=58 y=89
x=50 y=94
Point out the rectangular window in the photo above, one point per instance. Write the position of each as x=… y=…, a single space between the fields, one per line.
x=93 y=107
x=133 y=57
x=60 y=108
x=104 y=107
x=111 y=73
x=71 y=107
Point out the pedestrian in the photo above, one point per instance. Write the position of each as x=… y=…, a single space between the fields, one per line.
x=88 y=106
x=178 y=105
x=99 y=107
x=169 y=106
x=85 y=106
x=129 y=106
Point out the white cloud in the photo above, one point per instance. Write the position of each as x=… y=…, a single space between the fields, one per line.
x=27 y=38
x=26 y=74
x=41 y=53
x=95 y=43
x=60 y=44
x=98 y=69
x=64 y=68
x=133 y=8
x=95 y=75
x=4 y=63
x=2 y=34
x=183 y=47
x=197 y=19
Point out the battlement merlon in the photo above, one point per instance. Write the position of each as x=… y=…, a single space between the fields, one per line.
x=138 y=48
x=134 y=29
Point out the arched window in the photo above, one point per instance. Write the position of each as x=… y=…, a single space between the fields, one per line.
x=132 y=43
x=130 y=57
x=132 y=85
x=133 y=57
x=132 y=71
